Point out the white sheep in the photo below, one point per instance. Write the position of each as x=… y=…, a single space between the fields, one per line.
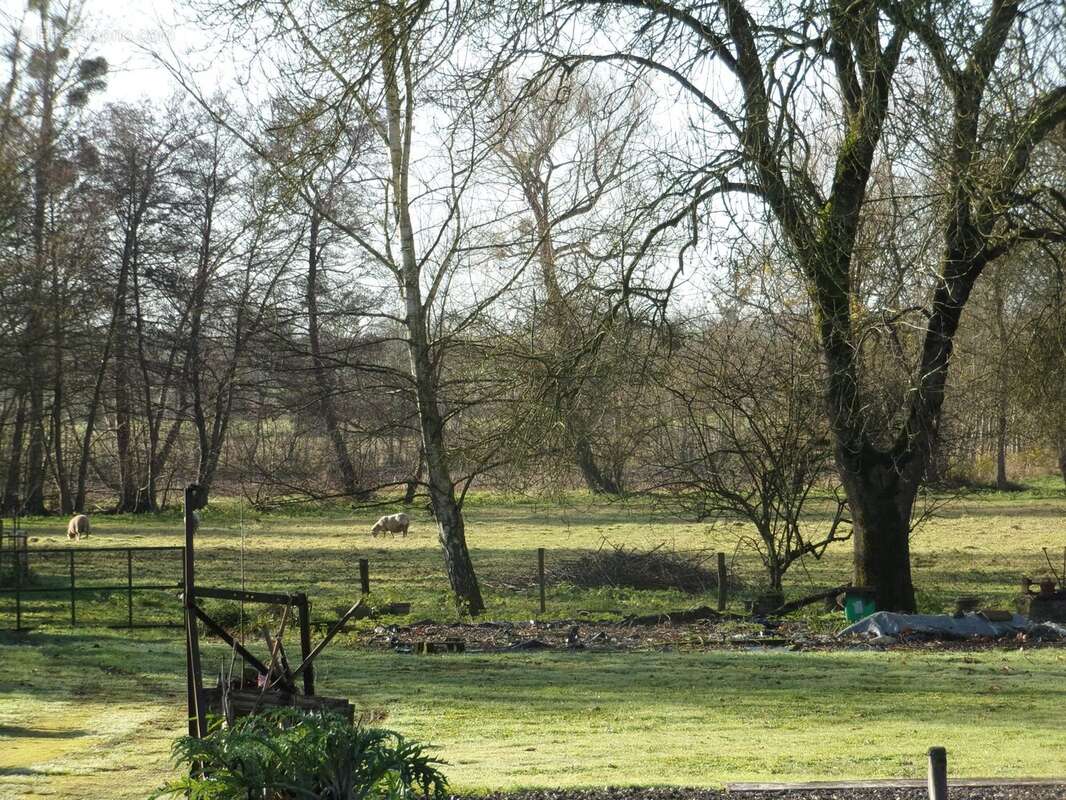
x=78 y=526
x=392 y=523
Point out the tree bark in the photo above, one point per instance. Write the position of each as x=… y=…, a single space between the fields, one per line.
x=13 y=484
x=36 y=332
x=559 y=323
x=880 y=500
x=62 y=478
x=416 y=480
x=451 y=527
x=1002 y=484
x=595 y=479
x=127 y=498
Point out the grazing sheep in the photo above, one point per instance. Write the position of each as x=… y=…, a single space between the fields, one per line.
x=392 y=523
x=78 y=526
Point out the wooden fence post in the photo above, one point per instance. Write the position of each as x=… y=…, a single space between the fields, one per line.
x=540 y=576
x=364 y=575
x=938 y=773
x=303 y=606
x=194 y=681
x=723 y=581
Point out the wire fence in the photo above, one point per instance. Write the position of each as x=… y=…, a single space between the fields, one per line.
x=122 y=587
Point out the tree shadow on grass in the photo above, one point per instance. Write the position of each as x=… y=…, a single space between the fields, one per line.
x=21 y=732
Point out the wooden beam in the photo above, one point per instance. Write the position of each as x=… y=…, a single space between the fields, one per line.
x=224 y=635
x=306 y=663
x=270 y=598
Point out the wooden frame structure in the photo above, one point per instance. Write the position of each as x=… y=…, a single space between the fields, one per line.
x=277 y=689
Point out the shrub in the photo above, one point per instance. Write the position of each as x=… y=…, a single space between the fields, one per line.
x=283 y=754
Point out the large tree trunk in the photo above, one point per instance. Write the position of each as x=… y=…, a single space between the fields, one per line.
x=446 y=509
x=323 y=381
x=880 y=501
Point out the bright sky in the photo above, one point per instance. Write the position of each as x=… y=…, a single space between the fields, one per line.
x=125 y=32
x=121 y=31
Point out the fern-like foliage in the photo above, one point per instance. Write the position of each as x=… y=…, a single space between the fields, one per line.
x=283 y=754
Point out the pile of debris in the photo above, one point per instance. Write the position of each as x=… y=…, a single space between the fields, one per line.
x=657 y=568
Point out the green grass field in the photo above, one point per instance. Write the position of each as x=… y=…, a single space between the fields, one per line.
x=91 y=711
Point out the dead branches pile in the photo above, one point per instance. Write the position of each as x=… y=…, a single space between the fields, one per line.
x=658 y=568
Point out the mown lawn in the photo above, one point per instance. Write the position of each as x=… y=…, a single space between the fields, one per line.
x=92 y=712
x=93 y=715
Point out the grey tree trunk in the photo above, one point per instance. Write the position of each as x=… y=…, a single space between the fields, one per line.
x=127 y=499
x=450 y=524
x=36 y=331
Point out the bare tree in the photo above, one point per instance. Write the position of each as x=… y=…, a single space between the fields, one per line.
x=373 y=64
x=564 y=144
x=59 y=82
x=860 y=70
x=742 y=435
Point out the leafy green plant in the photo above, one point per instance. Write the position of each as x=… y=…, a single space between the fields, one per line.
x=283 y=754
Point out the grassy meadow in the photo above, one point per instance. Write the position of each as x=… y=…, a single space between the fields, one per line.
x=91 y=711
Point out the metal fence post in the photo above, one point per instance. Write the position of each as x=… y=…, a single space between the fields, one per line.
x=73 y=620
x=129 y=586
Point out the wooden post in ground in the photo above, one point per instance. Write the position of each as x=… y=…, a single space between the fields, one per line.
x=303 y=606
x=540 y=576
x=723 y=580
x=194 y=679
x=938 y=773
x=364 y=575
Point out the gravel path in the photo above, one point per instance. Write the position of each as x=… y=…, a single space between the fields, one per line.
x=955 y=793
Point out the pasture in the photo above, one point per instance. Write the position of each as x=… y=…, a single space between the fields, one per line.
x=91 y=711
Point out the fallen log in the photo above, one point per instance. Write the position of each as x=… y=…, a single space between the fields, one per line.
x=795 y=605
x=676 y=617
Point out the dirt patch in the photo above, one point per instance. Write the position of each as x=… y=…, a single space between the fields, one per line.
x=708 y=631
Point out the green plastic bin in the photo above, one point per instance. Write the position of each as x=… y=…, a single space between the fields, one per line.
x=858 y=603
